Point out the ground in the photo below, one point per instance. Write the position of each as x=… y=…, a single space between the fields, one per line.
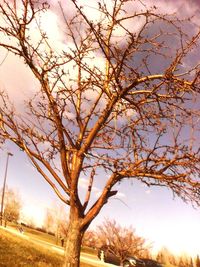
x=35 y=249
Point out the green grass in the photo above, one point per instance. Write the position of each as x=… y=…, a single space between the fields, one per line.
x=33 y=233
x=37 y=234
x=88 y=250
x=42 y=236
x=15 y=251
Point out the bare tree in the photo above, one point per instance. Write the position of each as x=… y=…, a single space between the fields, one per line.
x=13 y=206
x=164 y=256
x=167 y=258
x=49 y=222
x=90 y=239
x=115 y=101
x=56 y=221
x=197 y=261
x=121 y=241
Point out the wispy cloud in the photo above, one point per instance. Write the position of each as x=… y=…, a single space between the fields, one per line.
x=83 y=183
x=120 y=195
x=148 y=192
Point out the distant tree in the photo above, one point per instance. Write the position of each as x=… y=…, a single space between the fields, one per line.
x=197 y=261
x=90 y=239
x=181 y=262
x=173 y=260
x=121 y=241
x=191 y=264
x=160 y=257
x=113 y=101
x=12 y=206
x=31 y=223
x=49 y=221
x=185 y=261
x=56 y=221
x=164 y=256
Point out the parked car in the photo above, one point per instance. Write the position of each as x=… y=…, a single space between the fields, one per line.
x=151 y=263
x=109 y=257
x=141 y=262
x=133 y=261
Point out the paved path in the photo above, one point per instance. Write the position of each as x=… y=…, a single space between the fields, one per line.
x=85 y=257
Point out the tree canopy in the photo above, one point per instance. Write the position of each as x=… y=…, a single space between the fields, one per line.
x=121 y=241
x=13 y=206
x=116 y=98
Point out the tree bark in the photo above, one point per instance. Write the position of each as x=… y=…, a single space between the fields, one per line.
x=73 y=243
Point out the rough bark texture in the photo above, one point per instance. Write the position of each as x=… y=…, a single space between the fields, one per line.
x=74 y=238
x=73 y=245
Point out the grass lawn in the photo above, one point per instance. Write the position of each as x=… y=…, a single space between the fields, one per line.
x=33 y=233
x=15 y=251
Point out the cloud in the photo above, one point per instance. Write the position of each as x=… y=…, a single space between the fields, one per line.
x=52 y=23
x=148 y=192
x=120 y=195
x=15 y=77
x=181 y=7
x=19 y=82
x=83 y=183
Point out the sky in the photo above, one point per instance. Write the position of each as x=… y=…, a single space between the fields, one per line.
x=155 y=214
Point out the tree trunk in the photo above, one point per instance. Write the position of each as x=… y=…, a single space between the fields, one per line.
x=73 y=243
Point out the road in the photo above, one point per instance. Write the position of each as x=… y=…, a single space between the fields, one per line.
x=85 y=257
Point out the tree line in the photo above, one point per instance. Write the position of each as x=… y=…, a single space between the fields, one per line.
x=164 y=256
